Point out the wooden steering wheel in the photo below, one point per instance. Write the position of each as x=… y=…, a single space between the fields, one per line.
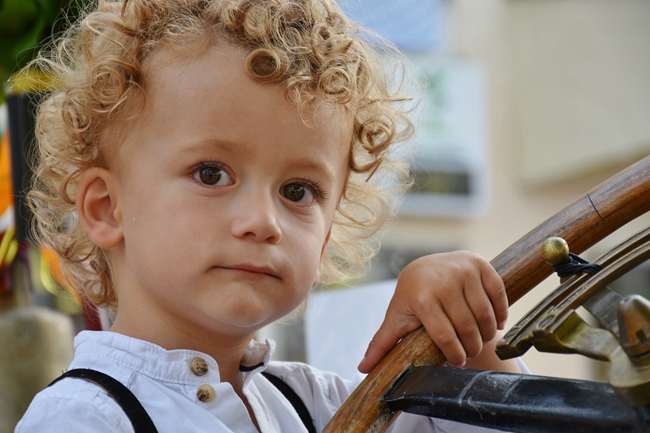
x=583 y=223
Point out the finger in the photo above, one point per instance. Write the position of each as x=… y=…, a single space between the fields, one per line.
x=467 y=330
x=442 y=332
x=496 y=292
x=482 y=310
x=393 y=329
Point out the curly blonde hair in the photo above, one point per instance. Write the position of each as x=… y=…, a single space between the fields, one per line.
x=308 y=45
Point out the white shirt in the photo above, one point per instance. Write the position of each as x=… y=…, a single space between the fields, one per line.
x=166 y=386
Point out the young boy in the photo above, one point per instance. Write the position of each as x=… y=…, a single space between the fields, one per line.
x=203 y=162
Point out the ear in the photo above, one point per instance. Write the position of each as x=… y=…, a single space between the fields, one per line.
x=322 y=255
x=97 y=207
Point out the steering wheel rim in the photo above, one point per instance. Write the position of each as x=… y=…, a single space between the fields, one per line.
x=583 y=223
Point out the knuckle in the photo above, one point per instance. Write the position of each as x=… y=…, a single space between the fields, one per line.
x=423 y=298
x=485 y=315
x=474 y=257
x=446 y=341
x=403 y=323
x=467 y=329
x=380 y=345
x=497 y=291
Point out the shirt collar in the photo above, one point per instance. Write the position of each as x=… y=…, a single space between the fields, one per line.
x=159 y=363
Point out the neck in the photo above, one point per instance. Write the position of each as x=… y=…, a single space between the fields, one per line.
x=227 y=350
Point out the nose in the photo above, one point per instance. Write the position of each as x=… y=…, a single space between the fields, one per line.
x=256 y=216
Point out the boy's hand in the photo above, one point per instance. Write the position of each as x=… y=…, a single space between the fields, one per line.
x=458 y=297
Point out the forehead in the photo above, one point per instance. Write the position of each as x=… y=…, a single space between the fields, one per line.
x=218 y=69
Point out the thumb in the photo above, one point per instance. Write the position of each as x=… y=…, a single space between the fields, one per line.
x=393 y=329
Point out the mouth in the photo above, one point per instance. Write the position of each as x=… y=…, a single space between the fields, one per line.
x=252 y=270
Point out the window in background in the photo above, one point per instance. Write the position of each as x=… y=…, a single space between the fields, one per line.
x=450 y=151
x=450 y=160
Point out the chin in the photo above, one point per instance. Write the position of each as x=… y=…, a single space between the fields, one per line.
x=247 y=322
x=253 y=314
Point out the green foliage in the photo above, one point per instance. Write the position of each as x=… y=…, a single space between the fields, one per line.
x=24 y=25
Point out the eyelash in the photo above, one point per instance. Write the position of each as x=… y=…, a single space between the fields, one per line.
x=314 y=185
x=209 y=164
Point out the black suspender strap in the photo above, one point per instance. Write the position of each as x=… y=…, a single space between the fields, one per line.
x=293 y=398
x=132 y=408
x=138 y=415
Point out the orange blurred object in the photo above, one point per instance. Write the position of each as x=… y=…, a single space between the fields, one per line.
x=6 y=192
x=52 y=260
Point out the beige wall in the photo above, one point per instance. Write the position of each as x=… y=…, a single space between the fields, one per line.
x=530 y=179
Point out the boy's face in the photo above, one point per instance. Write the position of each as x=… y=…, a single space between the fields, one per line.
x=225 y=198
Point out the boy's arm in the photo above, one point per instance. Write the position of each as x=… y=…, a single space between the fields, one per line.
x=460 y=300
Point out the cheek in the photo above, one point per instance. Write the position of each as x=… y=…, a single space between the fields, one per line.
x=305 y=260
x=162 y=228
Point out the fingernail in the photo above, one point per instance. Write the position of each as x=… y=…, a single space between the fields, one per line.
x=358 y=366
x=502 y=325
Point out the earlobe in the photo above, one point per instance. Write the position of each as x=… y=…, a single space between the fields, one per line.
x=316 y=279
x=97 y=207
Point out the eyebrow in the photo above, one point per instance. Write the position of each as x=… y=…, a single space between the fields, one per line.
x=198 y=146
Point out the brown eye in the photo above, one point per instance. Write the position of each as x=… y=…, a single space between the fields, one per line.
x=212 y=176
x=297 y=193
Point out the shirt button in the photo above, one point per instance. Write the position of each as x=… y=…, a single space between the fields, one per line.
x=205 y=393
x=199 y=366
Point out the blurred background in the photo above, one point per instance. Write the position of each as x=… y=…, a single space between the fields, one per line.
x=527 y=105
